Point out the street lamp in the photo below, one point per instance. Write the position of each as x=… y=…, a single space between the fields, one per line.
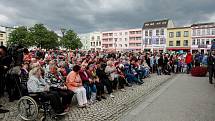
x=115 y=44
x=63 y=30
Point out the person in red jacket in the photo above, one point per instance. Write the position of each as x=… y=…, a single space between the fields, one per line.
x=188 y=61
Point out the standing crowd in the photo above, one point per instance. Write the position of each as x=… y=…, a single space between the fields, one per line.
x=90 y=76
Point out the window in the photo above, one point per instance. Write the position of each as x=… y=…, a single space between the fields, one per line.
x=115 y=34
x=198 y=32
x=186 y=33
x=207 y=42
x=115 y=39
x=126 y=45
x=208 y=31
x=98 y=37
x=198 y=41
x=157 y=41
x=96 y=43
x=138 y=38
x=2 y=43
x=150 y=41
x=92 y=38
x=146 y=33
x=132 y=44
x=120 y=39
x=138 y=44
x=150 y=32
x=171 y=34
x=178 y=34
x=170 y=43
x=203 y=41
x=161 y=40
x=178 y=43
x=213 y=32
x=194 y=32
x=162 y=32
x=157 y=32
x=126 y=33
x=120 y=45
x=185 y=42
x=138 y=32
x=193 y=42
x=146 y=41
x=120 y=33
x=125 y=39
x=1 y=35
x=203 y=31
x=99 y=43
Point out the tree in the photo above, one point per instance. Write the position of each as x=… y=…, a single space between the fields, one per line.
x=71 y=40
x=42 y=37
x=20 y=36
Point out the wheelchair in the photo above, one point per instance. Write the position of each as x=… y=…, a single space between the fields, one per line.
x=31 y=106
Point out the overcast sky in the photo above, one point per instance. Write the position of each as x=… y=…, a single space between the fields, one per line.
x=98 y=15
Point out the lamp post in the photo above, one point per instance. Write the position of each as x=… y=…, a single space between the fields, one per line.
x=63 y=30
x=115 y=44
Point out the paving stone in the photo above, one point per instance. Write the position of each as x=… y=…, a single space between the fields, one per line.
x=109 y=109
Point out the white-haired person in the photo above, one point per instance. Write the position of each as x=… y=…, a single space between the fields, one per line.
x=36 y=84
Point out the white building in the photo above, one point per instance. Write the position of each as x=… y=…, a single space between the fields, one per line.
x=85 y=40
x=202 y=35
x=155 y=34
x=7 y=30
x=95 y=41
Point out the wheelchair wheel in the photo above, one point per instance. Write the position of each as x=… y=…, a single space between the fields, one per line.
x=28 y=108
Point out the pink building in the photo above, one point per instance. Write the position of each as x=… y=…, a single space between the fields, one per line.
x=135 y=39
x=122 y=40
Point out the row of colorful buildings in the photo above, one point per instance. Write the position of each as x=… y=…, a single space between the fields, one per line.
x=159 y=35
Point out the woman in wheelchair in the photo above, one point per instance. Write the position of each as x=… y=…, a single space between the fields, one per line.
x=56 y=82
x=36 y=84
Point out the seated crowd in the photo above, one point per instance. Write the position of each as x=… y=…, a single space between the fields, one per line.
x=56 y=77
x=86 y=78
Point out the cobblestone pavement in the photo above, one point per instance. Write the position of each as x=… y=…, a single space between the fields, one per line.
x=110 y=109
x=184 y=98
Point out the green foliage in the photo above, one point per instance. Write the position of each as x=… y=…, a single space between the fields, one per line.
x=42 y=37
x=71 y=40
x=38 y=35
x=20 y=36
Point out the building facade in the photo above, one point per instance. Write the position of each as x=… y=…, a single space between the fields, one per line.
x=202 y=35
x=178 y=39
x=154 y=34
x=85 y=40
x=135 y=39
x=3 y=38
x=115 y=40
x=95 y=41
x=7 y=31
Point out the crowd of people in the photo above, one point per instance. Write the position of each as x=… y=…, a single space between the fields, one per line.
x=91 y=76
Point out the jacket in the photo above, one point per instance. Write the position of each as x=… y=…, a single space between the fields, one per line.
x=189 y=58
x=73 y=81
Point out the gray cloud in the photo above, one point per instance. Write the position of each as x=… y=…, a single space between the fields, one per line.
x=98 y=15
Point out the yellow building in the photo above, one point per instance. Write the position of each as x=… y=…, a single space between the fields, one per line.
x=178 y=39
x=2 y=38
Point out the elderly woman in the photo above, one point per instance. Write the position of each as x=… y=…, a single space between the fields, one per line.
x=57 y=84
x=88 y=83
x=74 y=83
x=111 y=71
x=36 y=84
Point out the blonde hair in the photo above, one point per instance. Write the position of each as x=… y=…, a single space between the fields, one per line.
x=33 y=71
x=109 y=63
